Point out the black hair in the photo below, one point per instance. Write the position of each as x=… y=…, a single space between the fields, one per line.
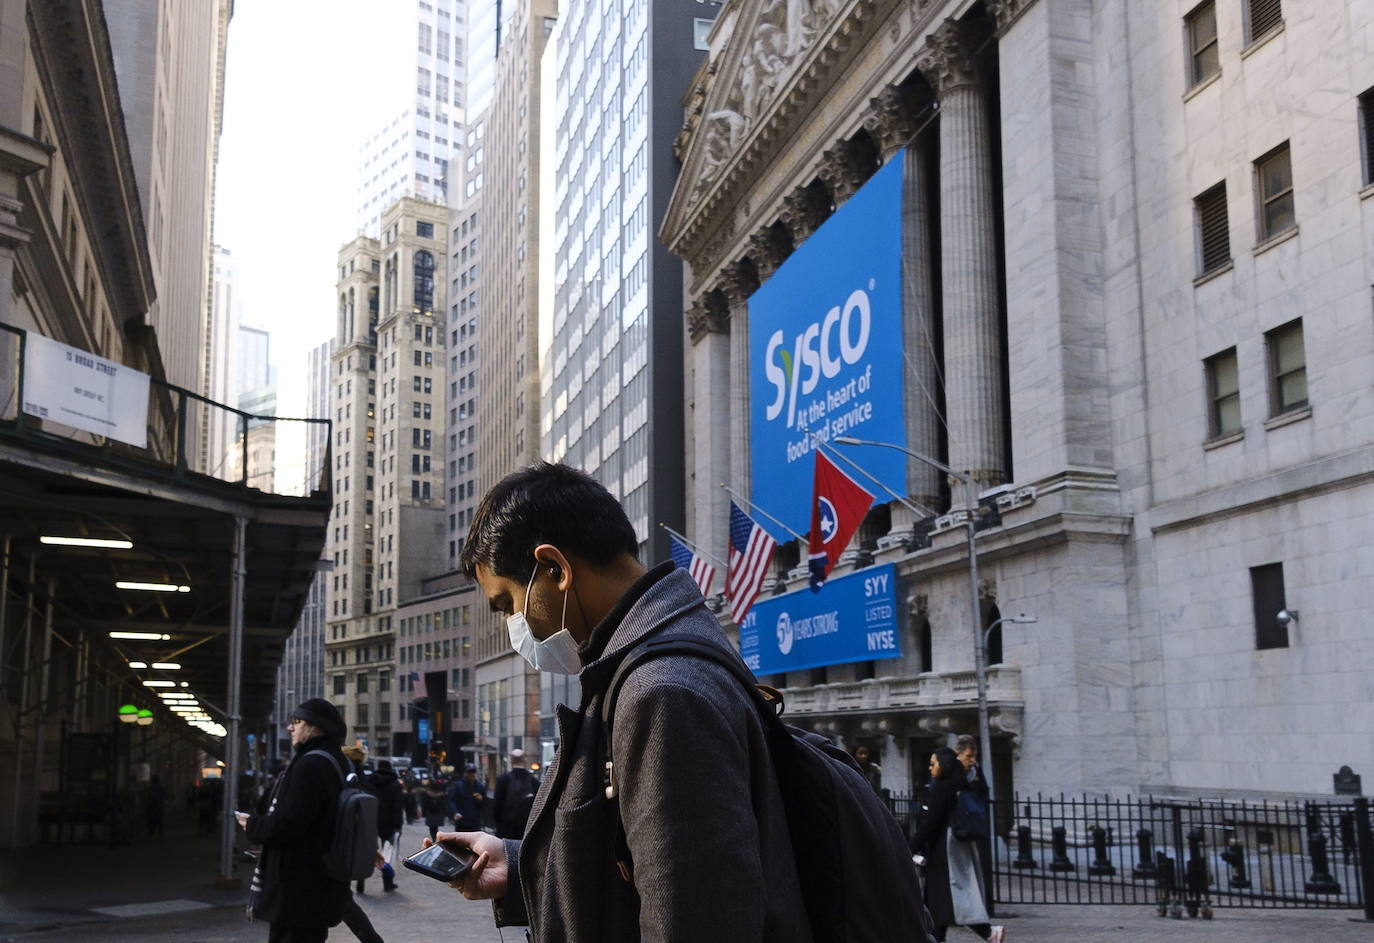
x=546 y=504
x=948 y=763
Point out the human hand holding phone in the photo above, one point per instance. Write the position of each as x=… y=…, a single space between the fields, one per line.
x=486 y=877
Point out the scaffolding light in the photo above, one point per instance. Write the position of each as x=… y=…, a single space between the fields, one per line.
x=138 y=664
x=128 y=714
x=105 y=543
x=152 y=587
x=143 y=636
x=167 y=666
x=154 y=683
x=145 y=717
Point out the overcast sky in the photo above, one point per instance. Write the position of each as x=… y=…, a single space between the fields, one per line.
x=305 y=82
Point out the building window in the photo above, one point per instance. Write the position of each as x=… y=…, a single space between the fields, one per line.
x=362 y=683
x=1274 y=173
x=424 y=280
x=1213 y=233
x=1367 y=133
x=339 y=682
x=362 y=715
x=1262 y=17
x=1287 y=368
x=1266 y=589
x=424 y=230
x=1223 y=394
x=1202 y=42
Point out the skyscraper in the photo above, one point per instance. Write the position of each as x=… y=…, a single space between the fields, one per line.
x=409 y=155
x=169 y=60
x=301 y=674
x=507 y=331
x=386 y=531
x=613 y=397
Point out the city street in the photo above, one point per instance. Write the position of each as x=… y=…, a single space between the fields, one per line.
x=163 y=891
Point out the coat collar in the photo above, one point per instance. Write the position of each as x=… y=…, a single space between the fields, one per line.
x=671 y=593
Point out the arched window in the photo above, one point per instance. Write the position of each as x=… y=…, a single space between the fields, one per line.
x=424 y=281
x=351 y=311
x=994 y=637
x=343 y=318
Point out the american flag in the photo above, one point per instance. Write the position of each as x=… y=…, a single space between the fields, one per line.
x=751 y=550
x=702 y=571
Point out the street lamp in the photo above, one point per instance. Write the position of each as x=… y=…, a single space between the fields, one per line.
x=980 y=654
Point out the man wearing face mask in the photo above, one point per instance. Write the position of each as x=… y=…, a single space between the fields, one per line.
x=686 y=838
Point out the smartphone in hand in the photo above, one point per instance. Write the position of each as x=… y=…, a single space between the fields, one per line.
x=440 y=862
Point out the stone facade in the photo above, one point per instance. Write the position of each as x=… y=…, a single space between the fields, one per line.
x=386 y=531
x=1056 y=312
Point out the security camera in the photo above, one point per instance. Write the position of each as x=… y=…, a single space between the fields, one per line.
x=1287 y=616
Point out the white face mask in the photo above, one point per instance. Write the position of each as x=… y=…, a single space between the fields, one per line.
x=557 y=653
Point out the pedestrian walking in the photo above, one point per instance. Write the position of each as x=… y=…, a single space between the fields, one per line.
x=290 y=888
x=354 y=917
x=390 y=809
x=410 y=801
x=695 y=843
x=466 y=798
x=156 y=799
x=514 y=797
x=954 y=874
x=872 y=771
x=434 y=806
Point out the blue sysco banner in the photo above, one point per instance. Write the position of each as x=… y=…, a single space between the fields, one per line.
x=826 y=353
x=854 y=618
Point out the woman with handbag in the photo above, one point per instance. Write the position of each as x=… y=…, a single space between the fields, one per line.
x=953 y=872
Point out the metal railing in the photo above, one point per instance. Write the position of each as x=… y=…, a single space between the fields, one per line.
x=1177 y=853
x=188 y=434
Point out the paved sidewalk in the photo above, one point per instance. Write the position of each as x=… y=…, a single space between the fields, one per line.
x=163 y=892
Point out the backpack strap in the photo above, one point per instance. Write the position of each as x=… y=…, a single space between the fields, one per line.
x=332 y=762
x=767 y=700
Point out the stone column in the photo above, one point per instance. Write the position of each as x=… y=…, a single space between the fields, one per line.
x=803 y=211
x=708 y=329
x=891 y=122
x=839 y=173
x=737 y=288
x=968 y=257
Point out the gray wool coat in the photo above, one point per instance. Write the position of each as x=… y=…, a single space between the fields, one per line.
x=703 y=817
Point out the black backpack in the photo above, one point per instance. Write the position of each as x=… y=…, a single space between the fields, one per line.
x=519 y=798
x=970 y=820
x=352 y=853
x=857 y=877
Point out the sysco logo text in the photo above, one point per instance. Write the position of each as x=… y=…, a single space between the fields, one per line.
x=822 y=350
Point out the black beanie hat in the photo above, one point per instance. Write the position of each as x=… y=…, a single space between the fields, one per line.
x=320 y=713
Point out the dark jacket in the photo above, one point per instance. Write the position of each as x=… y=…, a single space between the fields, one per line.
x=295 y=833
x=390 y=803
x=703 y=817
x=434 y=807
x=932 y=840
x=467 y=802
x=510 y=806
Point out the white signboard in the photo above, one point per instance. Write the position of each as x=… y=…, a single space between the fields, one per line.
x=68 y=385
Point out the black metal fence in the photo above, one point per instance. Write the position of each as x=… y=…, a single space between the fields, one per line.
x=1178 y=853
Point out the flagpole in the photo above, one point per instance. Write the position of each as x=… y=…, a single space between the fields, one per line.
x=736 y=494
x=916 y=509
x=693 y=547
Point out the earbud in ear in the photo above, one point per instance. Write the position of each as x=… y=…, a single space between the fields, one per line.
x=555 y=572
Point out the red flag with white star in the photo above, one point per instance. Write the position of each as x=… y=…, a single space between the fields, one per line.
x=838 y=506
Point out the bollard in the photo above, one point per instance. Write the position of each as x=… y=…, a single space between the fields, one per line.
x=1100 y=863
x=1265 y=838
x=1144 y=840
x=1234 y=855
x=1060 y=844
x=1024 y=861
x=1321 y=881
x=1196 y=876
x=1349 y=844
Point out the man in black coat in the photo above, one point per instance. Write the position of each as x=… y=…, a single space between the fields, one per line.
x=290 y=889
x=514 y=797
x=466 y=797
x=390 y=813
